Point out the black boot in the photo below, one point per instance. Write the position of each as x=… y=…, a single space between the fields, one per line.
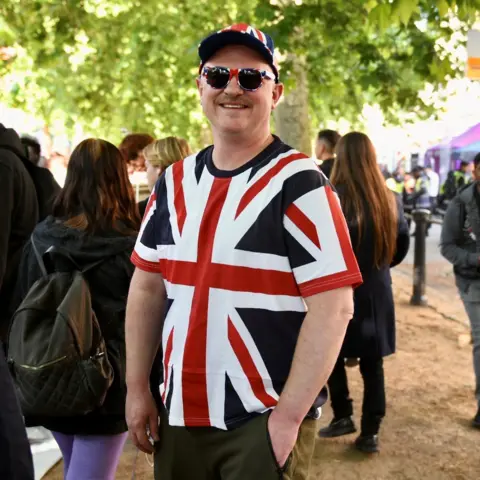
x=367 y=443
x=476 y=420
x=338 y=428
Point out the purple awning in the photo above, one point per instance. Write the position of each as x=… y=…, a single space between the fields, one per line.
x=472 y=135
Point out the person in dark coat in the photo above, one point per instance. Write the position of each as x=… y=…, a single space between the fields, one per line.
x=380 y=239
x=45 y=183
x=46 y=187
x=94 y=218
x=18 y=216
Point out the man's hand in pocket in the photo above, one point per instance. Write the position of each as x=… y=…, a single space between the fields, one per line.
x=283 y=435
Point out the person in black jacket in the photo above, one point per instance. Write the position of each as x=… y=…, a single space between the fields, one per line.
x=45 y=183
x=46 y=187
x=94 y=217
x=325 y=150
x=460 y=245
x=18 y=216
x=380 y=239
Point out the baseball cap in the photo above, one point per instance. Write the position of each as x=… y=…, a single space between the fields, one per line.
x=239 y=34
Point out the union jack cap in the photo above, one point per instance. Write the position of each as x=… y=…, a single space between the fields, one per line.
x=238 y=34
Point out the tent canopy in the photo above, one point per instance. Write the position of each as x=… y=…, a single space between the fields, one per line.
x=471 y=148
x=471 y=136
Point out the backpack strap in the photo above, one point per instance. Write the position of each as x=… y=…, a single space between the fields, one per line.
x=46 y=262
x=91 y=266
x=38 y=257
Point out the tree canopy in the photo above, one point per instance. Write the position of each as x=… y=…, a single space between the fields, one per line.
x=112 y=64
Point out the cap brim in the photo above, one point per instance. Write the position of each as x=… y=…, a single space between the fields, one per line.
x=217 y=41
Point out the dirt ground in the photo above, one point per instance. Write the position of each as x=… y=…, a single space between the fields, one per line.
x=426 y=433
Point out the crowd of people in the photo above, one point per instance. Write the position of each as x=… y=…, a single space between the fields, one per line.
x=421 y=188
x=211 y=329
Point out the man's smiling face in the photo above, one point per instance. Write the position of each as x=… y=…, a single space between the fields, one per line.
x=233 y=110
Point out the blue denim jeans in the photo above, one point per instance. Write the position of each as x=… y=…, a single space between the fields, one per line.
x=470 y=295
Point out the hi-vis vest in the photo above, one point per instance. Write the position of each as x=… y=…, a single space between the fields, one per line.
x=423 y=201
x=393 y=185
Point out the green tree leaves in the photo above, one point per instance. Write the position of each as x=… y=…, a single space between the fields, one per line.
x=112 y=64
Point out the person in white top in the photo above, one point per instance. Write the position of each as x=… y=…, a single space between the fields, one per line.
x=434 y=187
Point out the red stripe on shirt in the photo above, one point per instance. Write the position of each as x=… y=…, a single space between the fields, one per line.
x=168 y=353
x=151 y=201
x=248 y=366
x=303 y=223
x=153 y=267
x=263 y=181
x=231 y=277
x=179 y=196
x=194 y=379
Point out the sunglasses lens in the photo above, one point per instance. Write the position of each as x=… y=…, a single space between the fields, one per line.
x=217 y=77
x=250 y=79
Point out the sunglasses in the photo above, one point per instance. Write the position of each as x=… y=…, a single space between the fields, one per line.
x=249 y=79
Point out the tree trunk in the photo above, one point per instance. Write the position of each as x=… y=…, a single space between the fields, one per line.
x=292 y=122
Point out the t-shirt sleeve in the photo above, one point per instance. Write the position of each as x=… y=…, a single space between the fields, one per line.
x=145 y=254
x=317 y=237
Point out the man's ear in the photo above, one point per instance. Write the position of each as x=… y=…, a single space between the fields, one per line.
x=277 y=94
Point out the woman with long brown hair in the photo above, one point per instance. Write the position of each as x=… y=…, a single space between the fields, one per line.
x=380 y=240
x=94 y=223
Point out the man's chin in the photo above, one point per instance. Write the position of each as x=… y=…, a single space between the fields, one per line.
x=232 y=128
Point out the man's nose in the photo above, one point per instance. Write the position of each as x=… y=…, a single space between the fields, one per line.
x=233 y=88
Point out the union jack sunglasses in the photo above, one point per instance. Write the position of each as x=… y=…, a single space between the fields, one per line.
x=249 y=79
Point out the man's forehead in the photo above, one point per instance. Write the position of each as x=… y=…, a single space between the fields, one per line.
x=238 y=56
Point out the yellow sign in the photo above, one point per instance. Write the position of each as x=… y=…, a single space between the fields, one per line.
x=473 y=49
x=473 y=68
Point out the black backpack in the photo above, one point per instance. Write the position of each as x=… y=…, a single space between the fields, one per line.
x=56 y=351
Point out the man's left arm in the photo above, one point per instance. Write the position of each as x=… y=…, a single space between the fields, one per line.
x=317 y=349
x=325 y=270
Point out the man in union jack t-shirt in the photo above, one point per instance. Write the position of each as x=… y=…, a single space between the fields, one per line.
x=244 y=278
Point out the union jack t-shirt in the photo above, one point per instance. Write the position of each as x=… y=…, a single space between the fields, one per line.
x=238 y=251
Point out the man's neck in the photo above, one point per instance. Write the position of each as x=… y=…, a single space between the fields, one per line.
x=327 y=157
x=230 y=153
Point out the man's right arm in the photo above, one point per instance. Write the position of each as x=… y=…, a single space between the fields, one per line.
x=143 y=332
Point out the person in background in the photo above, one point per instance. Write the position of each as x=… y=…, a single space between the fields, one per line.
x=45 y=183
x=459 y=244
x=407 y=190
x=420 y=197
x=33 y=148
x=131 y=149
x=158 y=156
x=394 y=181
x=384 y=170
x=380 y=239
x=325 y=150
x=433 y=187
x=94 y=218
x=18 y=217
x=57 y=163
x=455 y=180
